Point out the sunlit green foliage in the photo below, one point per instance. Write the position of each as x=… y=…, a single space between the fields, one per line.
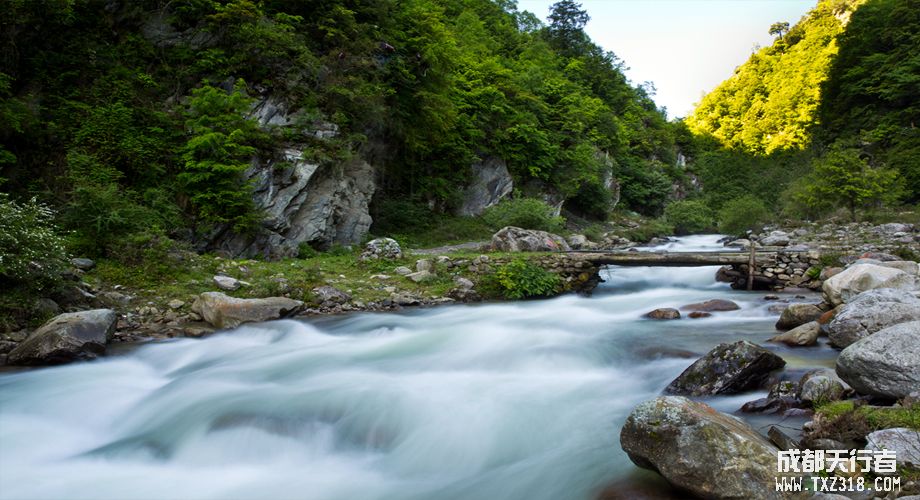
x=771 y=102
x=520 y=279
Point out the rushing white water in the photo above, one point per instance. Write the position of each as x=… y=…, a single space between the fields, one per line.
x=516 y=400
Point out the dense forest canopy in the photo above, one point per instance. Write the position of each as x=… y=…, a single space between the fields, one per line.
x=134 y=119
x=824 y=118
x=129 y=116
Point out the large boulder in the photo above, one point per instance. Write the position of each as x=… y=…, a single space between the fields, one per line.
x=870 y=312
x=729 y=368
x=67 y=337
x=515 y=239
x=797 y=315
x=859 y=278
x=885 y=364
x=804 y=335
x=904 y=442
x=491 y=182
x=702 y=451
x=223 y=311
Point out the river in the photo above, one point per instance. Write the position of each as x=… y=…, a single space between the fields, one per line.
x=518 y=400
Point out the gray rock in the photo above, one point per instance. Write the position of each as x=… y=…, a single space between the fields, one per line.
x=797 y=315
x=67 y=337
x=463 y=283
x=82 y=263
x=491 y=182
x=870 y=312
x=578 y=241
x=714 y=305
x=776 y=239
x=886 y=363
x=114 y=299
x=402 y=271
x=227 y=283
x=729 y=368
x=903 y=441
x=515 y=239
x=331 y=294
x=421 y=276
x=663 y=313
x=782 y=440
x=856 y=279
x=423 y=265
x=303 y=202
x=908 y=266
x=222 y=311
x=822 y=386
x=381 y=248
x=804 y=335
x=702 y=451
x=45 y=307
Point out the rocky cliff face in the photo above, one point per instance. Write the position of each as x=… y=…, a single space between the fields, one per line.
x=491 y=182
x=303 y=201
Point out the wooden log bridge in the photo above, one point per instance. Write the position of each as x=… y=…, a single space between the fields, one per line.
x=675 y=259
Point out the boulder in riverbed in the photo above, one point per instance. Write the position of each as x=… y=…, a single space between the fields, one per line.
x=856 y=279
x=229 y=312
x=663 y=313
x=886 y=363
x=804 y=335
x=729 y=368
x=904 y=442
x=67 y=337
x=714 y=305
x=797 y=315
x=698 y=449
x=822 y=386
x=515 y=239
x=870 y=312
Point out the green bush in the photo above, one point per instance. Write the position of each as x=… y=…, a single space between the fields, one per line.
x=521 y=279
x=741 y=214
x=689 y=216
x=527 y=213
x=32 y=253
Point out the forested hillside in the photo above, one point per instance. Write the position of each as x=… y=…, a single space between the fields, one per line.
x=825 y=118
x=143 y=117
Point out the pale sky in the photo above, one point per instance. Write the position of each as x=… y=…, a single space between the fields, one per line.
x=685 y=47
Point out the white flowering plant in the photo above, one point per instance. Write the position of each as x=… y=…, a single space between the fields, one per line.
x=32 y=253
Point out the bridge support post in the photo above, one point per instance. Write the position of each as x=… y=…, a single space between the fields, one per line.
x=751 y=263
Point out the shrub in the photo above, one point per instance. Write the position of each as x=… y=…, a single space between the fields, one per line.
x=689 y=216
x=527 y=213
x=742 y=214
x=32 y=253
x=520 y=279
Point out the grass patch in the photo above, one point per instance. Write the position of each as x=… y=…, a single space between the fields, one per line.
x=848 y=420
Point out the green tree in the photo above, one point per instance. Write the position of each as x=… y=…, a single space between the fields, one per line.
x=567 y=21
x=689 y=216
x=742 y=214
x=777 y=29
x=219 y=149
x=842 y=178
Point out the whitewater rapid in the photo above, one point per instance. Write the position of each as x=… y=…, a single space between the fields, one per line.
x=518 y=400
